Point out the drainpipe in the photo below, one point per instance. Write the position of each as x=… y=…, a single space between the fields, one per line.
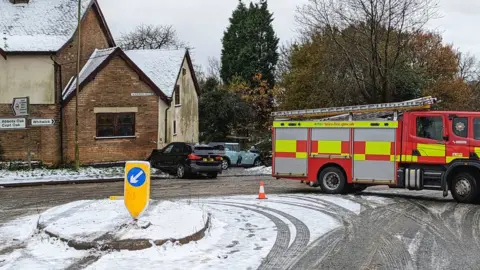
x=166 y=123
x=60 y=101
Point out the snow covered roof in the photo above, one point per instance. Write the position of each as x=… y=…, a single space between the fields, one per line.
x=95 y=60
x=40 y=25
x=161 y=66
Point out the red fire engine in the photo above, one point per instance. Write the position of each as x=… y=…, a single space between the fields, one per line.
x=401 y=144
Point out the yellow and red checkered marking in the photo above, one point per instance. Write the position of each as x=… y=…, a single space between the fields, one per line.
x=330 y=147
x=378 y=151
x=291 y=148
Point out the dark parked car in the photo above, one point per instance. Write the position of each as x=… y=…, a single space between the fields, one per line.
x=184 y=159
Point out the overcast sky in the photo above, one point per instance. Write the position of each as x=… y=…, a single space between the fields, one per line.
x=201 y=22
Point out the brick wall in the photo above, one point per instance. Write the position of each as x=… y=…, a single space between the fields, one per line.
x=112 y=87
x=92 y=38
x=44 y=141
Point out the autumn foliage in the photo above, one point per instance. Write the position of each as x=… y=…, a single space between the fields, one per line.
x=358 y=52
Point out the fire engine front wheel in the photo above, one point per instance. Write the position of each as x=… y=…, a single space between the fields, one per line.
x=464 y=188
x=332 y=180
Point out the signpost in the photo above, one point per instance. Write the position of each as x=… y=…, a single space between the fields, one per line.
x=20 y=106
x=141 y=94
x=21 y=109
x=13 y=123
x=137 y=187
x=42 y=122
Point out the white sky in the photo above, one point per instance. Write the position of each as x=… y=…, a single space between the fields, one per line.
x=201 y=22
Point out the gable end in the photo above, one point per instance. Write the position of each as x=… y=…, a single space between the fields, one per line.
x=121 y=54
x=192 y=71
x=103 y=25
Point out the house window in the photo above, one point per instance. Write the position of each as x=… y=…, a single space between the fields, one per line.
x=430 y=127
x=115 y=125
x=174 y=127
x=177 y=94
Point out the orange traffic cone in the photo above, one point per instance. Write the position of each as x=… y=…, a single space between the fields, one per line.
x=261 y=192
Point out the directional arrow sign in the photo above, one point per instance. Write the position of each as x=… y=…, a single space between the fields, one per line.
x=20 y=106
x=43 y=122
x=137 y=187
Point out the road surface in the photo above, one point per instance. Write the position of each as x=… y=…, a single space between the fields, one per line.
x=407 y=230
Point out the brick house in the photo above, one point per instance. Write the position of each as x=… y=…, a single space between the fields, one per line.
x=125 y=99
x=38 y=48
x=129 y=102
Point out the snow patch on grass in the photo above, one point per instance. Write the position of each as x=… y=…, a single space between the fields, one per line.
x=52 y=175
x=260 y=170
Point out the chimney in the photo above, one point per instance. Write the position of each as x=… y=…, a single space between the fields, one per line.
x=19 y=1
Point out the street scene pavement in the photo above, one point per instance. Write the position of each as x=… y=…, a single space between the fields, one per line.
x=296 y=227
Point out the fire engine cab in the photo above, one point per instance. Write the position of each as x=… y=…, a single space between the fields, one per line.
x=401 y=144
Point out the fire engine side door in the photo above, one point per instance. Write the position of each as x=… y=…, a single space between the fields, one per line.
x=458 y=142
x=475 y=137
x=426 y=138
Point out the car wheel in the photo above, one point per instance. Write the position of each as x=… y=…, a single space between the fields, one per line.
x=332 y=180
x=225 y=164
x=464 y=188
x=181 y=171
x=257 y=162
x=212 y=175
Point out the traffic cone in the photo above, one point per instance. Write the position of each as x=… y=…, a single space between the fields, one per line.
x=261 y=192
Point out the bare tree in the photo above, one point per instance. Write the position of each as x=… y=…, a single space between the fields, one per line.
x=468 y=67
x=151 y=37
x=283 y=64
x=214 y=67
x=371 y=35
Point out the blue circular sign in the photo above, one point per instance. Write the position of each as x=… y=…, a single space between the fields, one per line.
x=136 y=177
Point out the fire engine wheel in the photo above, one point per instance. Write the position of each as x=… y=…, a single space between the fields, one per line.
x=332 y=180
x=464 y=188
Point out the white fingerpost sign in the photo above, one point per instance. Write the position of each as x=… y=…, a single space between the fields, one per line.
x=13 y=123
x=20 y=106
x=42 y=122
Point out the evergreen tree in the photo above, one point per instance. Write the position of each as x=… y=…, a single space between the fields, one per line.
x=234 y=41
x=250 y=44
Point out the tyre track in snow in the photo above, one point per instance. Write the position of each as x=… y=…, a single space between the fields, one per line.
x=330 y=241
x=371 y=228
x=338 y=239
x=436 y=238
x=298 y=245
x=281 y=242
x=457 y=247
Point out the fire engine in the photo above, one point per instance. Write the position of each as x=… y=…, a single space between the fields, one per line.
x=400 y=144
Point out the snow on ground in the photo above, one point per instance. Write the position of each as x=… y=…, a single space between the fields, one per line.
x=261 y=170
x=52 y=175
x=17 y=231
x=237 y=239
x=377 y=199
x=89 y=220
x=43 y=175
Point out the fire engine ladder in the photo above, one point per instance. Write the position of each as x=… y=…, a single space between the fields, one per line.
x=368 y=111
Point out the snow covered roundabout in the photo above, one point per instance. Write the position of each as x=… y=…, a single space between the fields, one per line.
x=238 y=232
